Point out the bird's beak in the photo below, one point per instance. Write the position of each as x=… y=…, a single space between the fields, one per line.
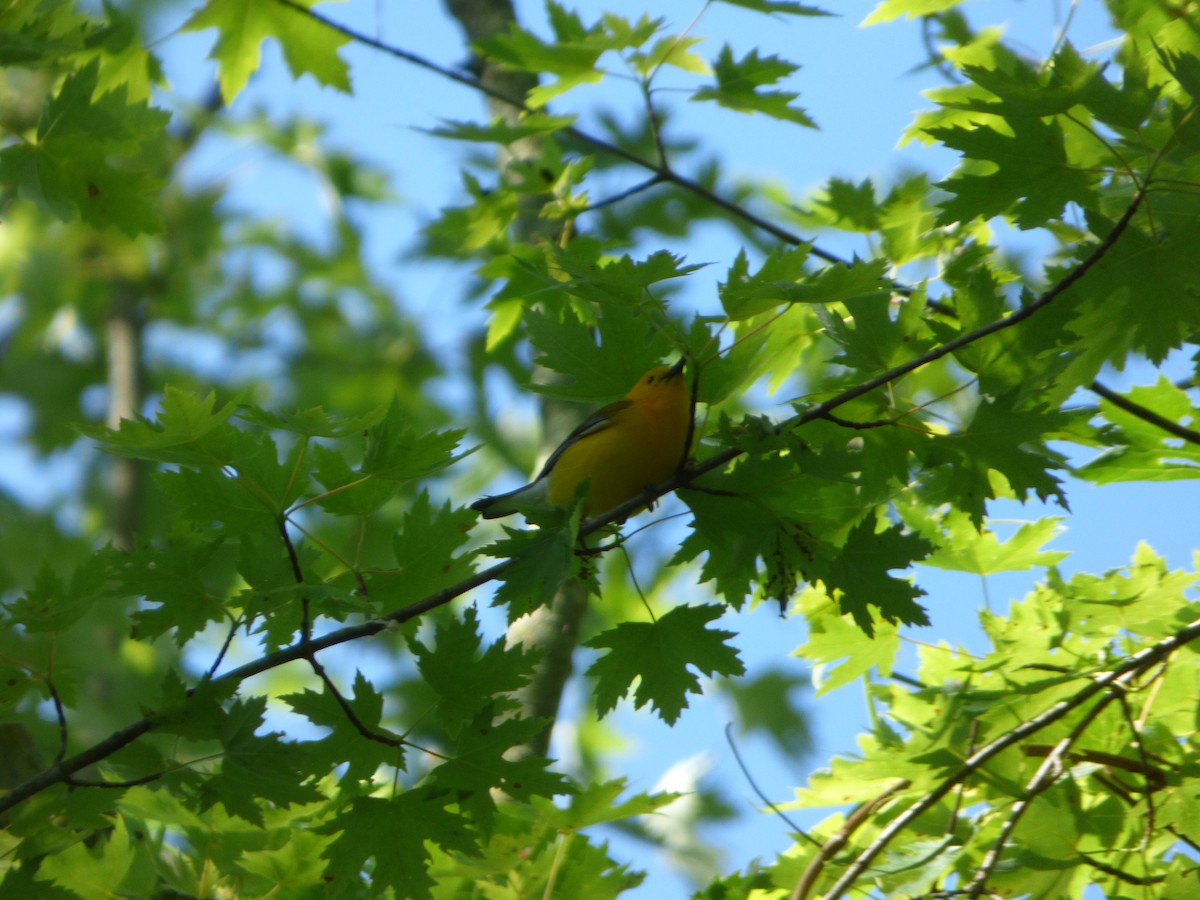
x=677 y=368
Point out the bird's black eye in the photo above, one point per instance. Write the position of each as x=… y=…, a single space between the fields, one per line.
x=649 y=379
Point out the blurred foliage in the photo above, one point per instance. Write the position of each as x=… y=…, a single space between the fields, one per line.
x=167 y=725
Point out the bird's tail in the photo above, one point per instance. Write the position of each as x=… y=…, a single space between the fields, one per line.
x=533 y=494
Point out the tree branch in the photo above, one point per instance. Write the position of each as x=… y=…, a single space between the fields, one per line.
x=305 y=648
x=660 y=170
x=1146 y=415
x=838 y=840
x=1116 y=676
x=822 y=409
x=1045 y=776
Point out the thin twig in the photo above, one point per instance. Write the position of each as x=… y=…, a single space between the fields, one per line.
x=796 y=829
x=71 y=781
x=360 y=726
x=225 y=645
x=829 y=849
x=663 y=173
x=1131 y=666
x=1114 y=872
x=306 y=635
x=1146 y=415
x=61 y=715
x=1043 y=779
x=625 y=194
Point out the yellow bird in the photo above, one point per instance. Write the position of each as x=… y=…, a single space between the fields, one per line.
x=619 y=450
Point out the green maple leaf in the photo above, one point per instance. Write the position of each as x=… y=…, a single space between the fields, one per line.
x=604 y=359
x=887 y=10
x=765 y=704
x=192 y=712
x=89 y=155
x=1025 y=173
x=858 y=575
x=662 y=654
x=597 y=804
x=425 y=549
x=1004 y=361
x=256 y=770
x=852 y=207
x=744 y=294
x=36 y=35
x=839 y=648
x=52 y=604
x=478 y=765
x=872 y=339
x=177 y=574
x=670 y=50
x=348 y=492
x=398 y=452
x=739 y=81
x=344 y=744
x=773 y=7
x=543 y=558
x=1140 y=450
x=1002 y=438
x=501 y=130
x=312 y=422
x=294 y=868
x=1143 y=597
x=465 y=676
x=604 y=280
x=730 y=533
x=393 y=834
x=188 y=430
x=777 y=507
x=1142 y=296
x=237 y=479
x=572 y=56
x=93 y=869
x=968 y=549
x=1020 y=89
x=308 y=45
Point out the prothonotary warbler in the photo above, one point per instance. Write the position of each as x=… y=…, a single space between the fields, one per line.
x=619 y=450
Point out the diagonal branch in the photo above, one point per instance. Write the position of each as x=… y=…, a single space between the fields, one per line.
x=306 y=648
x=1116 y=678
x=822 y=409
x=1043 y=779
x=838 y=840
x=1146 y=415
x=661 y=170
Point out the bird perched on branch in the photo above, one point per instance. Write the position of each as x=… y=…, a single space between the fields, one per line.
x=619 y=450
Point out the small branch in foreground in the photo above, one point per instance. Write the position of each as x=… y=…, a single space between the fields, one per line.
x=359 y=725
x=1116 y=873
x=625 y=194
x=839 y=839
x=1043 y=779
x=225 y=645
x=60 y=714
x=1129 y=668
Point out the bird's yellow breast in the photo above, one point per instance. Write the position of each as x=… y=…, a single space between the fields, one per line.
x=642 y=445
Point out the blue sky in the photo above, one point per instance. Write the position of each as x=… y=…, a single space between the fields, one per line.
x=856 y=83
